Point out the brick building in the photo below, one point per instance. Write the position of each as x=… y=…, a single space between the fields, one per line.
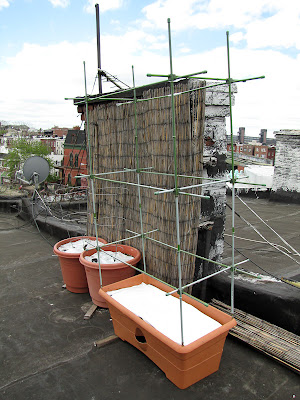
x=254 y=149
x=74 y=162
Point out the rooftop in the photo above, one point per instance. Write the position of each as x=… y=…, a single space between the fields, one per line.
x=48 y=347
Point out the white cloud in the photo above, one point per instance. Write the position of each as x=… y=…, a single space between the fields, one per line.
x=45 y=75
x=184 y=50
x=266 y=23
x=104 y=5
x=4 y=3
x=203 y=14
x=279 y=30
x=237 y=37
x=271 y=103
x=60 y=3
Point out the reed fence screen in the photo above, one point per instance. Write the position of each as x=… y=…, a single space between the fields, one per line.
x=113 y=148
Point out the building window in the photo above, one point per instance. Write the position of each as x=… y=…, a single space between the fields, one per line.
x=69 y=179
x=71 y=160
x=76 y=160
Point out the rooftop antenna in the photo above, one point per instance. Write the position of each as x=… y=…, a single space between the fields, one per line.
x=98 y=48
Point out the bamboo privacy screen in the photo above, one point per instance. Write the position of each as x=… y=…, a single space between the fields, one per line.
x=112 y=132
x=177 y=124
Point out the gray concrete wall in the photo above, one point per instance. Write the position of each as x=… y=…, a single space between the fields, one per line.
x=286 y=182
x=214 y=166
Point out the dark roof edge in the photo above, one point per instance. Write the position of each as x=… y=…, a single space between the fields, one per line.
x=126 y=93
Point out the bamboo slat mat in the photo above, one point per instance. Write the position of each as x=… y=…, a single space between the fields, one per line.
x=270 y=339
x=112 y=130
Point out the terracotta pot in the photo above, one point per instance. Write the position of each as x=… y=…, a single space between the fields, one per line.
x=183 y=365
x=72 y=270
x=110 y=272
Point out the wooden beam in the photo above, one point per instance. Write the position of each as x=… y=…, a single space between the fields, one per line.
x=90 y=312
x=105 y=341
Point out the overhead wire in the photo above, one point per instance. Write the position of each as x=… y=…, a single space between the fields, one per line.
x=273 y=230
x=266 y=240
x=258 y=266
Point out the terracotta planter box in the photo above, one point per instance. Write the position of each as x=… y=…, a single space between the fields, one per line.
x=110 y=272
x=72 y=270
x=183 y=365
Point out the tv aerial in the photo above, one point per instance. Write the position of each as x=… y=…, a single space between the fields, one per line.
x=36 y=170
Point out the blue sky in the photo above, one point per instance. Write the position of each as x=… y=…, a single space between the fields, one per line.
x=44 y=43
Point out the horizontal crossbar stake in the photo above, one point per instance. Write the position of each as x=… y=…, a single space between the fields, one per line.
x=127 y=183
x=249 y=183
x=194 y=195
x=108 y=96
x=129 y=100
x=187 y=252
x=108 y=173
x=193 y=186
x=112 y=172
x=135 y=170
x=145 y=233
x=204 y=184
x=242 y=262
x=175 y=77
x=182 y=176
x=199 y=280
x=252 y=274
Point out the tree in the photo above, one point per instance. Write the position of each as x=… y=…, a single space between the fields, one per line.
x=22 y=149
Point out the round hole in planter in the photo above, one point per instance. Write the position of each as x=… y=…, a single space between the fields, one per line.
x=140 y=336
x=72 y=270
x=110 y=273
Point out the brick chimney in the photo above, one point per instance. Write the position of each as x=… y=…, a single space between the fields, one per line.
x=263 y=136
x=241 y=134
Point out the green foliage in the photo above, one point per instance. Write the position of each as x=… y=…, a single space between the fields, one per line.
x=2 y=131
x=52 y=178
x=22 y=149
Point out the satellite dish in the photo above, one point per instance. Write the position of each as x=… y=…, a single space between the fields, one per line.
x=36 y=169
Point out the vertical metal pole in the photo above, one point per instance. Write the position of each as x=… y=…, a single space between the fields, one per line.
x=138 y=168
x=176 y=180
x=91 y=172
x=98 y=48
x=233 y=179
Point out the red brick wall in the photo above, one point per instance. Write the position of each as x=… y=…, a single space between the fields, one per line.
x=72 y=170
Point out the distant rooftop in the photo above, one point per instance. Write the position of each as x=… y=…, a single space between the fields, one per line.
x=248 y=139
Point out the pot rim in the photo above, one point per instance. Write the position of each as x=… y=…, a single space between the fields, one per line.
x=68 y=240
x=89 y=264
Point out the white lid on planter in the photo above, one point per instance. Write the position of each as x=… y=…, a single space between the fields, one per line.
x=163 y=313
x=79 y=246
x=109 y=257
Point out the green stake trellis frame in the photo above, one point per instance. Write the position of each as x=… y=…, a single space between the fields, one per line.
x=176 y=190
